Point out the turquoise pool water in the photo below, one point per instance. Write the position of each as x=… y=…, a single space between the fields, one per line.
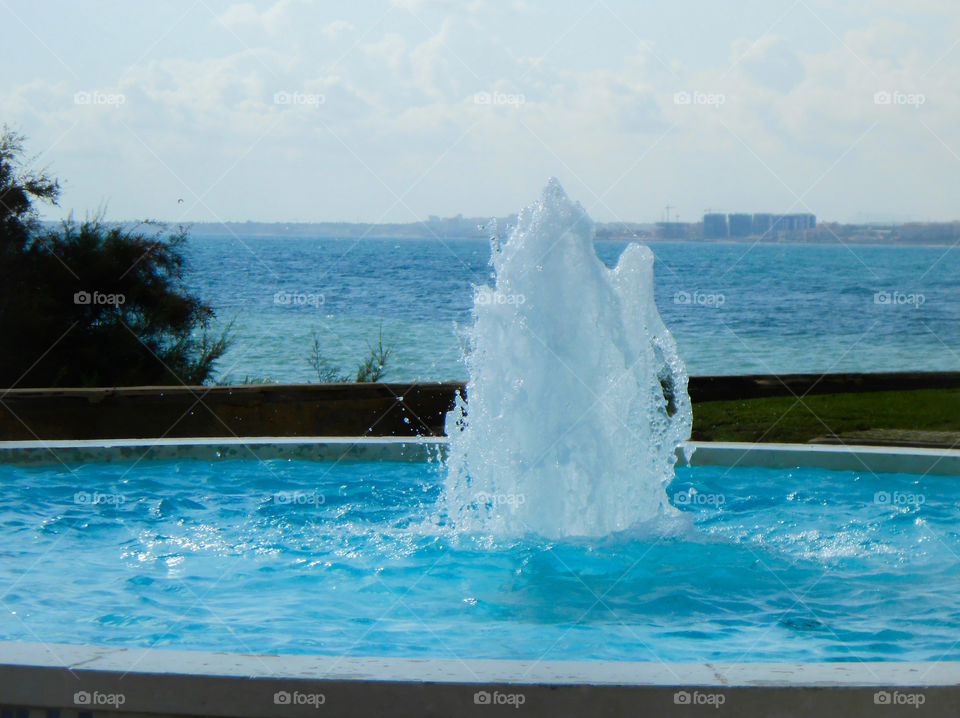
x=350 y=558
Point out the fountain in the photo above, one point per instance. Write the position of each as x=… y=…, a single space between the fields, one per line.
x=814 y=580
x=577 y=399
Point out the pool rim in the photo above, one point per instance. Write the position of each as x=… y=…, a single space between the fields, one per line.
x=207 y=683
x=855 y=457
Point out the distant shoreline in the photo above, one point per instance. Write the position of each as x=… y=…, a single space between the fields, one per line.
x=933 y=234
x=643 y=240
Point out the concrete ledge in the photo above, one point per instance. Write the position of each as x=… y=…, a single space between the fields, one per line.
x=182 y=683
x=378 y=409
x=333 y=448
x=875 y=459
x=894 y=437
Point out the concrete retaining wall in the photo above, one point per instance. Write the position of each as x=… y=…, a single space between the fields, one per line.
x=223 y=411
x=415 y=409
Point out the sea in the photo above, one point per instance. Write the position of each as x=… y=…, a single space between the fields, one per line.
x=734 y=308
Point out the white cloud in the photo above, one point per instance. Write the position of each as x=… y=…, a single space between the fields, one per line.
x=399 y=91
x=391 y=49
x=473 y=6
x=335 y=29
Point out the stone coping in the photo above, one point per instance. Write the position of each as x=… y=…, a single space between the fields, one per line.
x=58 y=452
x=874 y=459
x=154 y=661
x=95 y=680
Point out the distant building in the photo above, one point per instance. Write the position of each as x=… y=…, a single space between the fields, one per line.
x=740 y=225
x=673 y=230
x=715 y=226
x=794 y=222
x=780 y=223
x=762 y=224
x=718 y=226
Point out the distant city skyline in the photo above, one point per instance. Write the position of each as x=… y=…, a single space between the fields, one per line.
x=393 y=110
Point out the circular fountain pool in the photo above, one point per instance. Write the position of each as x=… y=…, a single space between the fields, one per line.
x=353 y=558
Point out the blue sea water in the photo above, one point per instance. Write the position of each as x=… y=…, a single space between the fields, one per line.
x=733 y=308
x=352 y=558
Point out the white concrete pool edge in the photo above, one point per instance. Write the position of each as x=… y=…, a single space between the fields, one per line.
x=876 y=459
x=261 y=448
x=873 y=459
x=472 y=671
x=92 y=680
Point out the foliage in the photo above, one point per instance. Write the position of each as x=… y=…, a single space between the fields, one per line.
x=20 y=188
x=89 y=304
x=326 y=372
x=371 y=369
x=374 y=366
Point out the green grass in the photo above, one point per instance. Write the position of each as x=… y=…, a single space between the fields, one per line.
x=786 y=419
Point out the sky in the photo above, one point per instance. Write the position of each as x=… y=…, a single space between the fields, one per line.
x=394 y=110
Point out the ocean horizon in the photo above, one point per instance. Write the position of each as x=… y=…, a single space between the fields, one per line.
x=733 y=308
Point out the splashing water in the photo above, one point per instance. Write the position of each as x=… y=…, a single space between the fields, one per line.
x=577 y=398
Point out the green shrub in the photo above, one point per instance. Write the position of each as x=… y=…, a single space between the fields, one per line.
x=89 y=304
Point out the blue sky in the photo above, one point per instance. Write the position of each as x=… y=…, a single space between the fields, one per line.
x=394 y=110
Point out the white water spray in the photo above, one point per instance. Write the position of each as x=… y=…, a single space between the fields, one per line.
x=577 y=399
